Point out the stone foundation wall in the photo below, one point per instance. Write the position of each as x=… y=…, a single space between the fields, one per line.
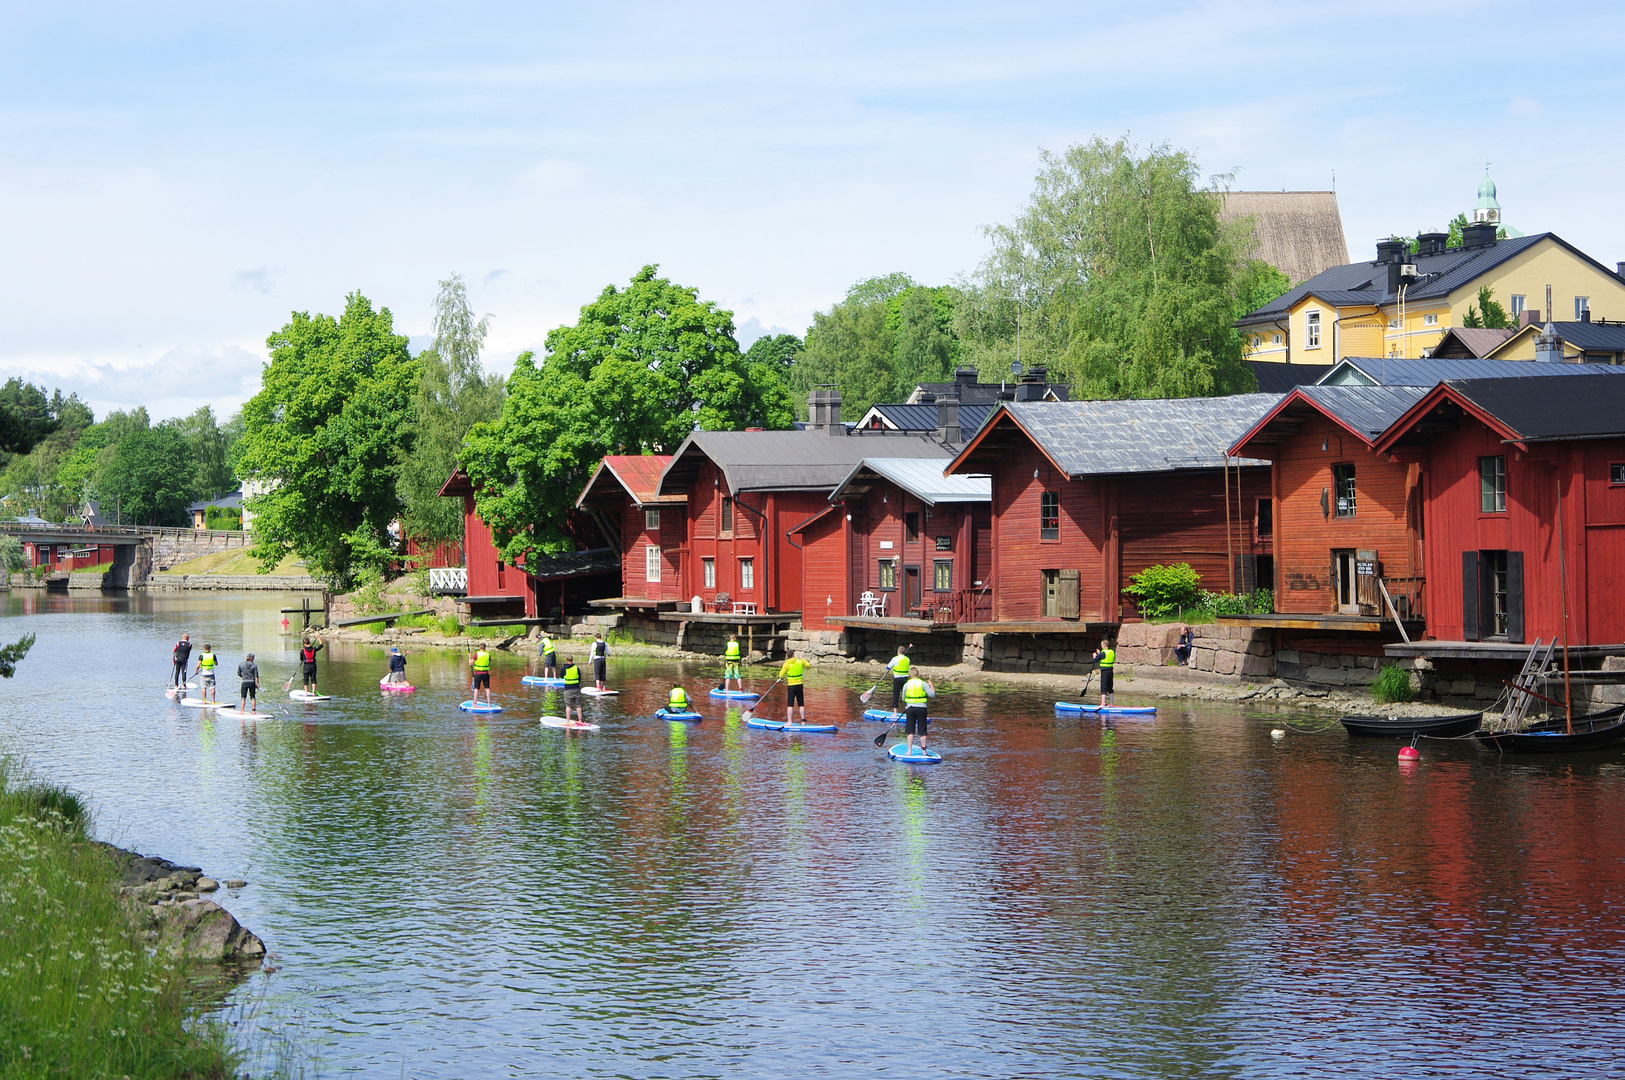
x=1221 y=649
x=1327 y=669
x=822 y=646
x=1060 y=654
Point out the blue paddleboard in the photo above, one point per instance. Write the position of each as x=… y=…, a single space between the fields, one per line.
x=735 y=695
x=479 y=707
x=899 y=752
x=1069 y=709
x=780 y=725
x=679 y=717
x=541 y=680
x=885 y=716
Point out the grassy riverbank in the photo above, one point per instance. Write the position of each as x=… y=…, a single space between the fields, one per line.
x=80 y=995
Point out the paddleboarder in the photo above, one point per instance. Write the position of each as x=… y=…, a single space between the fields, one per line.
x=793 y=673
x=206 y=664
x=307 y=661
x=480 y=665
x=572 y=690
x=916 y=693
x=397 y=665
x=899 y=666
x=248 y=675
x=677 y=701
x=550 y=658
x=600 y=660
x=182 y=655
x=1107 y=659
x=731 y=656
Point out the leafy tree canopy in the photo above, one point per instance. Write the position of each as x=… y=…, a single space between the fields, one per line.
x=147 y=475
x=779 y=351
x=1487 y=313
x=12 y=655
x=636 y=373
x=453 y=395
x=327 y=432
x=1119 y=276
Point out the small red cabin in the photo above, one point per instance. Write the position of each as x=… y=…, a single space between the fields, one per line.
x=648 y=530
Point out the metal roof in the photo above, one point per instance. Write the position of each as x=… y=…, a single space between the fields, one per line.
x=1086 y=438
x=638 y=476
x=1543 y=410
x=980 y=393
x=920 y=477
x=811 y=460
x=1592 y=336
x=1367 y=410
x=1391 y=371
x=1277 y=378
x=924 y=417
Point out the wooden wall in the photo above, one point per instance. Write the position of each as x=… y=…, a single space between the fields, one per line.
x=1166 y=518
x=488 y=574
x=635 y=541
x=826 y=583
x=759 y=523
x=1021 y=555
x=1385 y=518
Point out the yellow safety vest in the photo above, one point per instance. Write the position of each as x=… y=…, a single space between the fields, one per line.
x=794 y=668
x=900 y=665
x=482 y=661
x=572 y=675
x=732 y=651
x=678 y=702
x=206 y=661
x=1108 y=657
x=547 y=645
x=914 y=692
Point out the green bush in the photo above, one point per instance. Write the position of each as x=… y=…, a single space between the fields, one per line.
x=1259 y=602
x=1159 y=591
x=449 y=626
x=1393 y=684
x=375 y=627
x=221 y=517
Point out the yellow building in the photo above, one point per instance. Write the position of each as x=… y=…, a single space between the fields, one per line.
x=1401 y=303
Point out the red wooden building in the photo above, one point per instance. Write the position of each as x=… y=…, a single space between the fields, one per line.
x=897 y=539
x=747 y=490
x=1088 y=493
x=1342 y=517
x=647 y=529
x=1524 y=489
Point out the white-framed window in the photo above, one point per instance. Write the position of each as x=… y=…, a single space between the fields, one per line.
x=651 y=563
x=709 y=567
x=1311 y=330
x=651 y=520
x=1275 y=339
x=1519 y=302
x=1393 y=322
x=1430 y=320
x=1257 y=341
x=1582 y=304
x=747 y=574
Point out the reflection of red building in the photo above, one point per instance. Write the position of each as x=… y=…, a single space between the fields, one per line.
x=647 y=528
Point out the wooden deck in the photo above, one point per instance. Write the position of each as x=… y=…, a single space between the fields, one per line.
x=722 y=618
x=1037 y=626
x=1369 y=624
x=1508 y=651
x=879 y=622
x=639 y=602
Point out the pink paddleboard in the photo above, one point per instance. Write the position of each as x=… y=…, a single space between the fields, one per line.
x=397 y=687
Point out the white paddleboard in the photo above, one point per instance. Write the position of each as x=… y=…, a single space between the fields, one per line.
x=593 y=691
x=567 y=725
x=199 y=703
x=235 y=711
x=301 y=695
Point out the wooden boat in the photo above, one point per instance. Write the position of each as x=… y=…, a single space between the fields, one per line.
x=1409 y=727
x=1593 y=731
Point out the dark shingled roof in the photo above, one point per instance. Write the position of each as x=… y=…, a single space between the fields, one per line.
x=1540 y=410
x=1368 y=410
x=1274 y=378
x=981 y=393
x=1592 y=336
x=1390 y=371
x=1095 y=438
x=924 y=417
x=811 y=460
x=1436 y=276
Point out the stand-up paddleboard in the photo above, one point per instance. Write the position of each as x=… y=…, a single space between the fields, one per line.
x=885 y=716
x=541 y=680
x=567 y=725
x=1069 y=709
x=480 y=707
x=735 y=695
x=171 y=691
x=305 y=695
x=679 y=717
x=780 y=725
x=199 y=703
x=919 y=756
x=396 y=687
x=593 y=691
x=232 y=710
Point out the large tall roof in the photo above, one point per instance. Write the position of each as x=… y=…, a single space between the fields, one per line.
x=1095 y=438
x=1364 y=411
x=810 y=460
x=1523 y=410
x=920 y=477
x=635 y=475
x=1393 y=371
x=1300 y=233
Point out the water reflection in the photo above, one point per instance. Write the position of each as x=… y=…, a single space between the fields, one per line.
x=455 y=896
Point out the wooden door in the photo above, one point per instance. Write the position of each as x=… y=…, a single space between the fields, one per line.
x=1343 y=579
x=1067 y=594
x=911 y=587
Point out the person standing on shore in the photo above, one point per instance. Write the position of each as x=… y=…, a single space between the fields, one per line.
x=206 y=664
x=899 y=675
x=794 y=672
x=1107 y=659
x=572 y=690
x=248 y=675
x=307 y=661
x=600 y=660
x=550 y=659
x=731 y=655
x=480 y=664
x=182 y=655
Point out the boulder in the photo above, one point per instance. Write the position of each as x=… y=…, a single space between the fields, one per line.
x=203 y=930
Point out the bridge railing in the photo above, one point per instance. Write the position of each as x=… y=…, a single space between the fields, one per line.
x=448 y=580
x=24 y=528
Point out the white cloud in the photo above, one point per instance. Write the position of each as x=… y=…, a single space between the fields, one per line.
x=172 y=383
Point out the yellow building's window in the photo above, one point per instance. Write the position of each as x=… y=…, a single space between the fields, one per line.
x=1311 y=334
x=1430 y=320
x=1257 y=341
x=1275 y=339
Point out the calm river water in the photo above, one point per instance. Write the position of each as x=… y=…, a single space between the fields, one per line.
x=451 y=896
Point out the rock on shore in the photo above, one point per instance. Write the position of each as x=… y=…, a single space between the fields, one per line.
x=180 y=921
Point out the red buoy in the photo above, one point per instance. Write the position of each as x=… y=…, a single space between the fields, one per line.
x=1410 y=753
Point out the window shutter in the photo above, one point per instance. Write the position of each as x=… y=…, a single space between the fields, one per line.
x=1068 y=598
x=1514 y=596
x=1469 y=596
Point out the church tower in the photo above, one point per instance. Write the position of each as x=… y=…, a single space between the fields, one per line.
x=1488 y=210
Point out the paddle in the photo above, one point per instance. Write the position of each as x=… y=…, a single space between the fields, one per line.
x=1083 y=693
x=869 y=693
x=881 y=738
x=746 y=715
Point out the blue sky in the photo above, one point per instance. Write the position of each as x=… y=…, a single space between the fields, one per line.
x=174 y=179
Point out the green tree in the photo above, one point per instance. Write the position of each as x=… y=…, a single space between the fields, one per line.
x=209 y=451
x=636 y=373
x=12 y=655
x=146 y=476
x=1257 y=283
x=453 y=395
x=326 y=433
x=779 y=351
x=1118 y=275
x=12 y=556
x=1487 y=313
x=25 y=416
